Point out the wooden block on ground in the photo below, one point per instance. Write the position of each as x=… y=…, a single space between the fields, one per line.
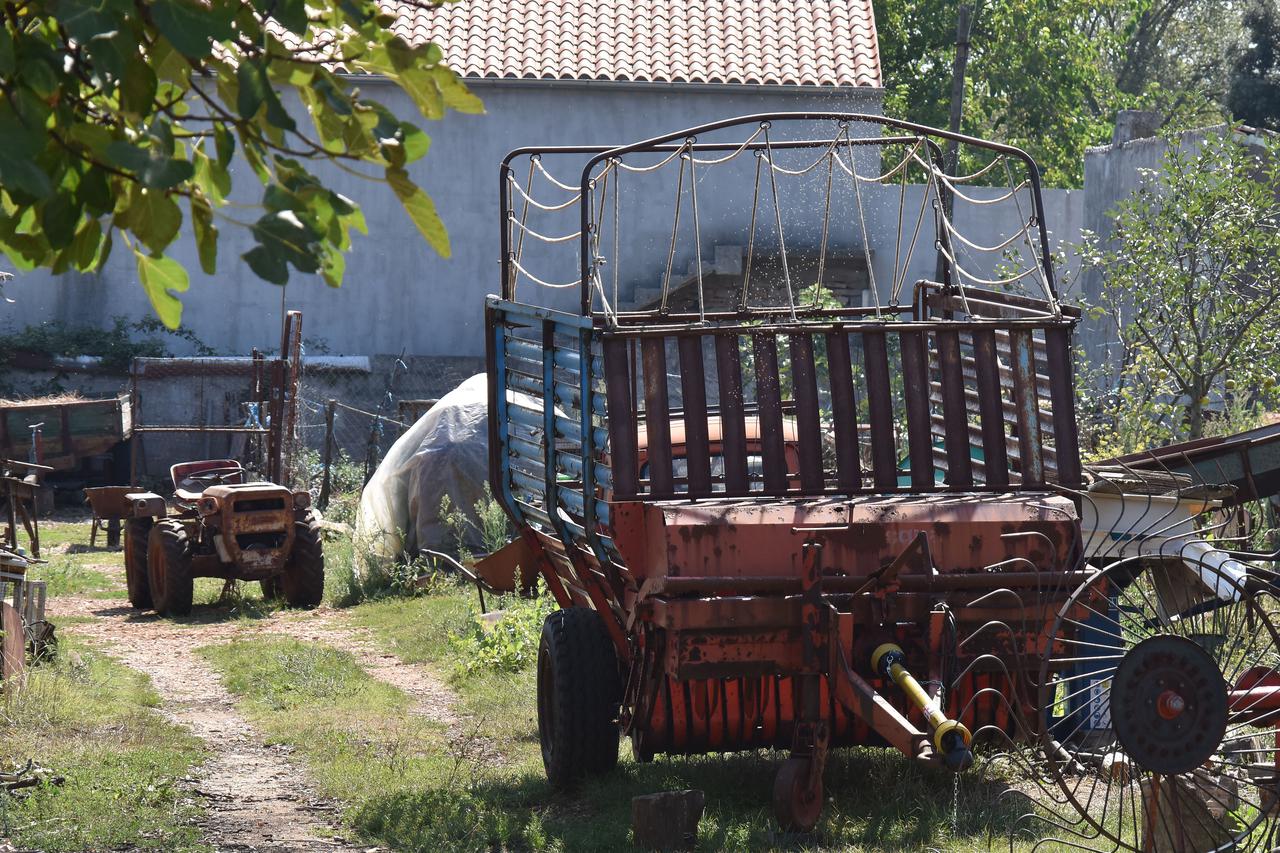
x=668 y=820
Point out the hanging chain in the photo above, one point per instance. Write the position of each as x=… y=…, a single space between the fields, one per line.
x=955 y=805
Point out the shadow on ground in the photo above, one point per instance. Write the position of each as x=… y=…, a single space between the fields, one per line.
x=875 y=801
x=201 y=614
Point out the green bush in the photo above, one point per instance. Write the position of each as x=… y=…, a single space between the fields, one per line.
x=511 y=643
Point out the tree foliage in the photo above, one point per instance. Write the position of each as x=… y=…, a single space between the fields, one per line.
x=1191 y=286
x=1255 y=77
x=1035 y=76
x=1050 y=75
x=120 y=121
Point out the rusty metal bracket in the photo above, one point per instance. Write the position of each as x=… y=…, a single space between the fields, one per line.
x=862 y=700
x=812 y=610
x=885 y=580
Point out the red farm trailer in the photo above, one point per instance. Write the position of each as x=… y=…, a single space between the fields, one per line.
x=784 y=509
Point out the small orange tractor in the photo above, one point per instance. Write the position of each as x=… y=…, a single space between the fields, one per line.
x=221 y=527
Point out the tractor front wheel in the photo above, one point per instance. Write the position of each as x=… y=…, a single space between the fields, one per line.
x=578 y=694
x=303 y=580
x=136 y=531
x=169 y=568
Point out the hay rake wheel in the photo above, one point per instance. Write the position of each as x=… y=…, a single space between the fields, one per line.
x=1175 y=749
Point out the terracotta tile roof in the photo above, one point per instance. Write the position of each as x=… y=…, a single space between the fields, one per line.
x=797 y=42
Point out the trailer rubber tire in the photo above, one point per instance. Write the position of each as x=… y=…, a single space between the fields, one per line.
x=136 y=531
x=579 y=691
x=303 y=580
x=270 y=588
x=796 y=807
x=169 y=568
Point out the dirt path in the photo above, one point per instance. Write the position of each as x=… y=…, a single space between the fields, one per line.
x=256 y=797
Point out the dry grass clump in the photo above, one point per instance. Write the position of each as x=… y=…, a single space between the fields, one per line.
x=46 y=400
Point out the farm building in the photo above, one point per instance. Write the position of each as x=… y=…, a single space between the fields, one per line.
x=557 y=72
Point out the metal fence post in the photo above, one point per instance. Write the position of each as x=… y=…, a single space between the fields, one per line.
x=325 y=483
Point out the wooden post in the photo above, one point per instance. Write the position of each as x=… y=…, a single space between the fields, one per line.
x=323 y=500
x=949 y=161
x=963 y=27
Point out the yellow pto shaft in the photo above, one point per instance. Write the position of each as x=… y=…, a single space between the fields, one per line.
x=950 y=738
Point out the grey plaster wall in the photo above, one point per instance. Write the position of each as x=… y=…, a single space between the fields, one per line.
x=398 y=295
x=1111 y=174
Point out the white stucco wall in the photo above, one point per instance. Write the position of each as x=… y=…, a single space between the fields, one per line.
x=398 y=295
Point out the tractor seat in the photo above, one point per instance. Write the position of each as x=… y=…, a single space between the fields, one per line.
x=187 y=489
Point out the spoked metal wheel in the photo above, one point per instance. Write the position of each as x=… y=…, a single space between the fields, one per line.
x=1161 y=695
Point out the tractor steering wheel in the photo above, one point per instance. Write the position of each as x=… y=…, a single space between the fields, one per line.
x=210 y=476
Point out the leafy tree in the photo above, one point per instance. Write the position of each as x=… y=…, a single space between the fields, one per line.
x=1035 y=77
x=120 y=120
x=1255 y=77
x=1191 y=285
x=1049 y=75
x=1173 y=55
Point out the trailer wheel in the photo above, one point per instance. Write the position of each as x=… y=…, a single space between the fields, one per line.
x=578 y=695
x=169 y=568
x=303 y=580
x=796 y=804
x=136 y=531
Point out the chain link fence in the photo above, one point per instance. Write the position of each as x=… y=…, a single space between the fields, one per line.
x=351 y=409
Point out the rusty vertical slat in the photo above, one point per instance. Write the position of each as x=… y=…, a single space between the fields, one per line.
x=622 y=418
x=991 y=411
x=657 y=416
x=1063 y=399
x=1026 y=405
x=844 y=412
x=64 y=431
x=804 y=377
x=769 y=399
x=954 y=410
x=733 y=435
x=693 y=385
x=884 y=463
x=915 y=388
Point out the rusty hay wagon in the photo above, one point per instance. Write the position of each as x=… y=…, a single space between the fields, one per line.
x=825 y=490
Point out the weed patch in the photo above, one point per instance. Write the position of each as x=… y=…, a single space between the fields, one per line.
x=67 y=576
x=510 y=643
x=93 y=721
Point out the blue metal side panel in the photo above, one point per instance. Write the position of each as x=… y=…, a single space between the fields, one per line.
x=500 y=360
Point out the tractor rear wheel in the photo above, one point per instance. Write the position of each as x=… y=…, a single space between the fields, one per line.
x=169 y=568
x=303 y=580
x=578 y=694
x=136 y=531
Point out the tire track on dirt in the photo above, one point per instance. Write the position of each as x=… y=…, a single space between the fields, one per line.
x=256 y=795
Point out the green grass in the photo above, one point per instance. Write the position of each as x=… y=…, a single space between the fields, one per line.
x=93 y=721
x=73 y=567
x=65 y=575
x=361 y=742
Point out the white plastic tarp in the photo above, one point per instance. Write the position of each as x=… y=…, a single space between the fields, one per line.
x=445 y=453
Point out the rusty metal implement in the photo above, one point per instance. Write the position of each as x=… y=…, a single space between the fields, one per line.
x=780 y=510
